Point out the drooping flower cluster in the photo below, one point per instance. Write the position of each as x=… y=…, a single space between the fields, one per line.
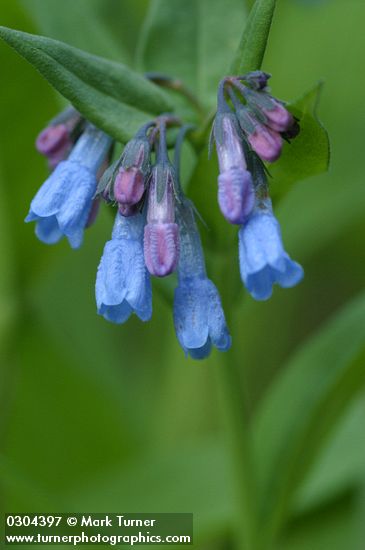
x=155 y=231
x=159 y=238
x=249 y=132
x=64 y=205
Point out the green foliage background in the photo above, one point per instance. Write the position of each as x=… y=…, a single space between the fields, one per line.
x=96 y=417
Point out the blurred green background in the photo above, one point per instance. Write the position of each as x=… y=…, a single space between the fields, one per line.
x=96 y=417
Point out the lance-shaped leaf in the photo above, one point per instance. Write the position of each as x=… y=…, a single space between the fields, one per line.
x=309 y=153
x=340 y=467
x=251 y=49
x=107 y=93
x=303 y=406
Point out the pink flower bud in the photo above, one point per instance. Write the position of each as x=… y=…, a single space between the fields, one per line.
x=129 y=186
x=52 y=139
x=161 y=248
x=161 y=235
x=266 y=143
x=278 y=118
x=236 y=196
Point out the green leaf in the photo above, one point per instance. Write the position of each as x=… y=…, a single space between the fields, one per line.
x=105 y=92
x=252 y=46
x=192 y=40
x=304 y=404
x=335 y=527
x=340 y=466
x=309 y=153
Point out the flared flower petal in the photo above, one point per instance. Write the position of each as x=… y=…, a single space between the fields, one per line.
x=218 y=331
x=123 y=285
x=199 y=318
x=48 y=230
x=263 y=260
x=65 y=198
x=191 y=314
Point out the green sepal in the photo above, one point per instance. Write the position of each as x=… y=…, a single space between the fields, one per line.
x=107 y=178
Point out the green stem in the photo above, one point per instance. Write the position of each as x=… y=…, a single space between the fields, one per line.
x=235 y=409
x=238 y=431
x=252 y=47
x=249 y=57
x=178 y=86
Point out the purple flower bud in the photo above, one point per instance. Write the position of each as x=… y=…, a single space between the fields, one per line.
x=129 y=186
x=161 y=248
x=56 y=141
x=52 y=139
x=161 y=235
x=272 y=111
x=236 y=195
x=266 y=143
x=133 y=169
x=278 y=118
x=228 y=142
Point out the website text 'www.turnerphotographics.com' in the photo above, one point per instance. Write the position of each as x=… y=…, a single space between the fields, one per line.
x=109 y=529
